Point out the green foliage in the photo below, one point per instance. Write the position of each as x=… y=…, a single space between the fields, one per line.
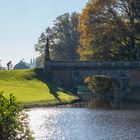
x=32 y=88
x=64 y=38
x=40 y=48
x=101 y=84
x=13 y=122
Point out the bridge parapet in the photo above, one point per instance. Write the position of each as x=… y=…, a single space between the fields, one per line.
x=93 y=64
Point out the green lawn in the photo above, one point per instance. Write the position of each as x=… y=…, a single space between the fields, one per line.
x=32 y=88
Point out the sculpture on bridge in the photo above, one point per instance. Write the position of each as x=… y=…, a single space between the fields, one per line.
x=47 y=51
x=47 y=60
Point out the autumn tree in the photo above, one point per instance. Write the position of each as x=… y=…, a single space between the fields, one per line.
x=64 y=38
x=110 y=30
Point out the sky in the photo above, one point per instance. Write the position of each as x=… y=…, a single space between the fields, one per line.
x=22 y=22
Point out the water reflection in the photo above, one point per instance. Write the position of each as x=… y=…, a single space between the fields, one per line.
x=84 y=124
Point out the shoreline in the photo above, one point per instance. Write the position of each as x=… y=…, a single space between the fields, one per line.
x=82 y=104
x=44 y=104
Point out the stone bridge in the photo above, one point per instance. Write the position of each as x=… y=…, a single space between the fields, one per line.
x=70 y=74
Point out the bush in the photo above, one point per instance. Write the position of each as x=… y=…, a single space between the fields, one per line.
x=101 y=84
x=13 y=122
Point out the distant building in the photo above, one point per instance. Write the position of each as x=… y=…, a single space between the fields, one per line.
x=25 y=65
x=32 y=63
x=21 y=65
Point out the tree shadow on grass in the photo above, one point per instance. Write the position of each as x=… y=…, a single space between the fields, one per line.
x=54 y=89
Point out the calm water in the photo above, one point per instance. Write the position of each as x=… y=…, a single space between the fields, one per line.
x=84 y=124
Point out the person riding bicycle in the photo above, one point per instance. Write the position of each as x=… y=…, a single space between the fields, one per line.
x=9 y=65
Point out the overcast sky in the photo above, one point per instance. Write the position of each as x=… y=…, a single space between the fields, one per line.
x=22 y=21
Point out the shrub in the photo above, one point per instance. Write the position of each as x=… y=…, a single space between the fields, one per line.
x=101 y=84
x=13 y=122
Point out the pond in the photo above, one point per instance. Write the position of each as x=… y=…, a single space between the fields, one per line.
x=84 y=124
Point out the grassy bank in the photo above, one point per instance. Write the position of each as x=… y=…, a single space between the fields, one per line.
x=32 y=88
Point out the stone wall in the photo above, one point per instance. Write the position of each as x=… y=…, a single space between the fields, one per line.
x=62 y=77
x=135 y=78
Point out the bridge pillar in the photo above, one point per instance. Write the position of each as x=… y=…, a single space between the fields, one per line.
x=47 y=61
x=48 y=70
